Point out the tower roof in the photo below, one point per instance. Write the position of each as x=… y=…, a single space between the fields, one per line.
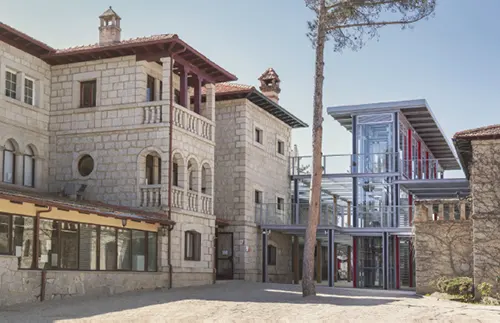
x=109 y=13
x=269 y=74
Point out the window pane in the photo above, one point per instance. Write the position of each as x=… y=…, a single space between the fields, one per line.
x=8 y=166
x=189 y=245
x=69 y=245
x=138 y=250
x=28 y=171
x=23 y=240
x=88 y=247
x=48 y=248
x=124 y=249
x=107 y=260
x=28 y=91
x=4 y=234
x=10 y=84
x=152 y=242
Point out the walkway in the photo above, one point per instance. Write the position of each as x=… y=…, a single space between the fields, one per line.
x=252 y=302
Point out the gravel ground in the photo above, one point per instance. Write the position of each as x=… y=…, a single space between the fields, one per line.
x=240 y=301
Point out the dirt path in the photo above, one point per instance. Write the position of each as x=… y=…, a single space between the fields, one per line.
x=252 y=302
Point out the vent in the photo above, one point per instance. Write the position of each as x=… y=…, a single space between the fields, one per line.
x=375 y=118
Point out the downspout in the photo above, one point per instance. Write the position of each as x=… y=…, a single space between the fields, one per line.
x=170 y=142
x=34 y=263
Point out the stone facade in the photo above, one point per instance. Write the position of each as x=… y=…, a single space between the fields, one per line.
x=242 y=167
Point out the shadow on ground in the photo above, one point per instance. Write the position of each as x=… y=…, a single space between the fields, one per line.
x=233 y=291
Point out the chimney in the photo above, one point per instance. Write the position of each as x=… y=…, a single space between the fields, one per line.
x=270 y=84
x=109 y=31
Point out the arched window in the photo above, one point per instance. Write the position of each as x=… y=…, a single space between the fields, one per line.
x=178 y=170
x=29 y=167
x=9 y=162
x=206 y=179
x=193 y=175
x=153 y=169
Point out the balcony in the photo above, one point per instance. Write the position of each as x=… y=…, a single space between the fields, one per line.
x=443 y=210
x=193 y=123
x=343 y=216
x=155 y=196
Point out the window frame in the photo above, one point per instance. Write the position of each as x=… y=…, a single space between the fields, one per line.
x=259 y=135
x=13 y=151
x=150 y=84
x=280 y=204
x=93 y=97
x=280 y=143
x=8 y=91
x=192 y=252
x=33 y=90
x=33 y=168
x=258 y=197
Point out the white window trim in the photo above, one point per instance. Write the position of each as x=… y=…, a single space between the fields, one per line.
x=18 y=78
x=34 y=90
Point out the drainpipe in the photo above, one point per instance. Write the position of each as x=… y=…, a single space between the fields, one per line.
x=170 y=140
x=34 y=263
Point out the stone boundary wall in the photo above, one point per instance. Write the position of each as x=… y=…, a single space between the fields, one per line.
x=24 y=286
x=443 y=245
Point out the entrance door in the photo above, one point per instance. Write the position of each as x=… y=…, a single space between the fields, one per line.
x=224 y=255
x=369 y=263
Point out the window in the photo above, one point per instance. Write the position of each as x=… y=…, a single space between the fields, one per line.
x=107 y=249
x=9 y=162
x=10 y=84
x=48 y=244
x=280 y=203
x=138 y=250
x=88 y=93
x=281 y=147
x=85 y=165
x=258 y=197
x=259 y=135
x=23 y=235
x=68 y=245
x=271 y=255
x=88 y=247
x=29 y=168
x=150 y=90
x=4 y=234
x=124 y=250
x=153 y=169
x=192 y=246
x=175 y=173
x=29 y=91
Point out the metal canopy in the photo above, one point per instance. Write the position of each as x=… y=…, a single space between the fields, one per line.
x=436 y=188
x=420 y=117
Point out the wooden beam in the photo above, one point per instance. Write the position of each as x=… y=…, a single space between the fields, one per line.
x=204 y=75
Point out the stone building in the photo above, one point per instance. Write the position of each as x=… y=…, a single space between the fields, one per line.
x=107 y=154
x=253 y=138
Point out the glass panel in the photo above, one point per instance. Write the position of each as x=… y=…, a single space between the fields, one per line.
x=69 y=245
x=23 y=240
x=28 y=171
x=138 y=250
x=10 y=84
x=8 y=166
x=370 y=262
x=152 y=243
x=124 y=249
x=375 y=146
x=4 y=233
x=107 y=259
x=48 y=253
x=28 y=91
x=88 y=247
x=375 y=202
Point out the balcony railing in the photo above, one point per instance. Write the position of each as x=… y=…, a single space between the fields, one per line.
x=206 y=203
x=152 y=113
x=193 y=122
x=422 y=168
x=178 y=197
x=192 y=201
x=292 y=214
x=150 y=195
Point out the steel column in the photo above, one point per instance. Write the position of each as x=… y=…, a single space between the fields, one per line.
x=331 y=257
x=354 y=169
x=296 y=200
x=385 y=257
x=264 y=256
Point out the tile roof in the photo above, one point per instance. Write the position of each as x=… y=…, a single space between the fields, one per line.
x=492 y=131
x=130 y=41
x=109 y=13
x=25 y=36
x=49 y=199
x=227 y=88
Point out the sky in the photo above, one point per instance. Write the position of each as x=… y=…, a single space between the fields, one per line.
x=451 y=60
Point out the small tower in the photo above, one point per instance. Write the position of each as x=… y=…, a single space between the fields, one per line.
x=109 y=31
x=270 y=84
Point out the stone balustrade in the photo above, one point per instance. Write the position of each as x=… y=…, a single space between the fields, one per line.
x=442 y=210
x=178 y=197
x=150 y=195
x=206 y=203
x=192 y=122
x=192 y=201
x=152 y=113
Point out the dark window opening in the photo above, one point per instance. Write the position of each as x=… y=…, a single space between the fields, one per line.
x=192 y=246
x=271 y=255
x=258 y=197
x=259 y=135
x=281 y=147
x=280 y=203
x=150 y=94
x=88 y=93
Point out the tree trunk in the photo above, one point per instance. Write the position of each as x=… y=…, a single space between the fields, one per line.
x=308 y=286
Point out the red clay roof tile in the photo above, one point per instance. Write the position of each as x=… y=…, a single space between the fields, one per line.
x=491 y=131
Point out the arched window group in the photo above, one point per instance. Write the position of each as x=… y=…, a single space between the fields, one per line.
x=189 y=173
x=18 y=166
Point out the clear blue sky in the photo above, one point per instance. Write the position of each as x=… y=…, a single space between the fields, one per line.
x=450 y=60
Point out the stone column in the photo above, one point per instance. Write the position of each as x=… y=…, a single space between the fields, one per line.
x=210 y=101
x=18 y=168
x=167 y=87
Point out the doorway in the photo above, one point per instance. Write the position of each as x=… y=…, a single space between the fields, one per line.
x=224 y=253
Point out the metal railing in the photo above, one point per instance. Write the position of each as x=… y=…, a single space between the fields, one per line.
x=422 y=168
x=297 y=214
